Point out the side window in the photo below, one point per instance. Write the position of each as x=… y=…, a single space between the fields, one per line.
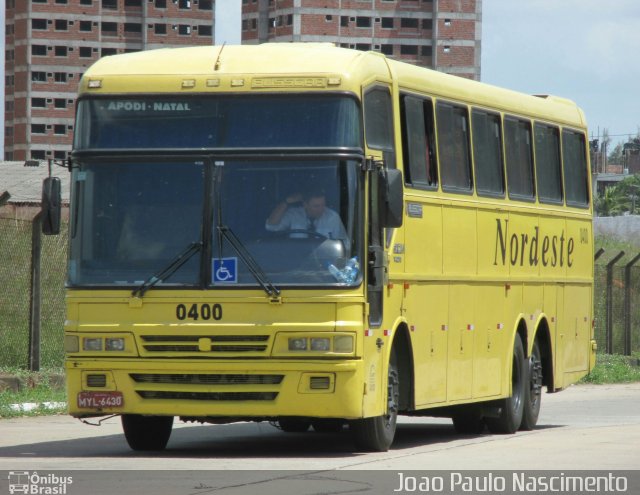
x=418 y=142
x=453 y=147
x=378 y=122
x=548 y=172
x=487 y=153
x=517 y=135
x=576 y=183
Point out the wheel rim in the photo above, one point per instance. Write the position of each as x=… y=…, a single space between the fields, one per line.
x=535 y=381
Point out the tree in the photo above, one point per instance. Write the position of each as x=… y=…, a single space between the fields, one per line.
x=622 y=198
x=615 y=157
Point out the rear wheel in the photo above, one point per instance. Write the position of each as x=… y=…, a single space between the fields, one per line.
x=147 y=432
x=511 y=408
x=533 y=390
x=376 y=434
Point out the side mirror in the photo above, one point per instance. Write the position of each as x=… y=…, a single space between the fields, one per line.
x=391 y=202
x=51 y=206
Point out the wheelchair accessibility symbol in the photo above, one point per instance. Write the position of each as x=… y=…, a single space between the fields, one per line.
x=225 y=270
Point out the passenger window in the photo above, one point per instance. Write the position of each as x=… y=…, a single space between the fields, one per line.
x=517 y=134
x=487 y=153
x=418 y=143
x=378 y=122
x=548 y=172
x=453 y=147
x=576 y=183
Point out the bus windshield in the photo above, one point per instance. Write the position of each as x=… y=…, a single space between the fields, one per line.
x=248 y=121
x=296 y=220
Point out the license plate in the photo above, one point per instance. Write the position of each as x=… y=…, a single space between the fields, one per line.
x=100 y=400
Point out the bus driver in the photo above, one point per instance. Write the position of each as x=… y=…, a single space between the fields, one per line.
x=313 y=216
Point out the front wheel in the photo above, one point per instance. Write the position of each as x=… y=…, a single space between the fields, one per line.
x=376 y=434
x=512 y=408
x=147 y=432
x=532 y=390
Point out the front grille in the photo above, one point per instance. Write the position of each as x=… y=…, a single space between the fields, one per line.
x=206 y=379
x=211 y=396
x=219 y=344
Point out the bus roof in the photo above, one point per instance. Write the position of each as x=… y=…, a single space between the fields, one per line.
x=131 y=73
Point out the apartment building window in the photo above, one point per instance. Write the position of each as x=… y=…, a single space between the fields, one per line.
x=85 y=26
x=408 y=49
x=245 y=25
x=38 y=76
x=386 y=23
x=60 y=77
x=110 y=28
x=161 y=4
x=132 y=27
x=38 y=129
x=108 y=51
x=85 y=52
x=386 y=49
x=61 y=25
x=38 y=24
x=63 y=2
x=363 y=22
x=39 y=50
x=409 y=23
x=60 y=103
x=133 y=3
x=60 y=129
x=110 y=4
x=184 y=4
x=427 y=51
x=38 y=155
x=8 y=132
x=363 y=47
x=184 y=29
x=206 y=30
x=160 y=28
x=61 y=51
x=427 y=24
x=344 y=21
x=60 y=155
x=32 y=1
x=38 y=103
x=205 y=5
x=86 y=2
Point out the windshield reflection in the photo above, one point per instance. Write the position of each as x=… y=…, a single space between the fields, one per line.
x=129 y=221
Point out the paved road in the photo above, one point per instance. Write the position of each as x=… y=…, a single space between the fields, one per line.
x=584 y=427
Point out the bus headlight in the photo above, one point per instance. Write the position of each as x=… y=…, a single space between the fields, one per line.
x=91 y=344
x=116 y=344
x=321 y=344
x=298 y=344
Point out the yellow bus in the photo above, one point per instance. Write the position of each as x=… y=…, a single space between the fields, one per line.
x=321 y=237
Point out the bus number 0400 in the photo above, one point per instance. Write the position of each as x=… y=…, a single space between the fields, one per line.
x=197 y=312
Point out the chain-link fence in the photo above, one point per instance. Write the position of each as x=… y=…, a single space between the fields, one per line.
x=15 y=294
x=618 y=333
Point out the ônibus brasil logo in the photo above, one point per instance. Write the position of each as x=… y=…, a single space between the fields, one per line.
x=35 y=484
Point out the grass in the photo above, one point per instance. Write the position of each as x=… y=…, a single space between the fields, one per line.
x=39 y=387
x=613 y=368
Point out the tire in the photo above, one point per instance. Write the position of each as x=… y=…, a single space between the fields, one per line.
x=328 y=425
x=294 y=425
x=512 y=408
x=469 y=421
x=533 y=390
x=147 y=432
x=376 y=434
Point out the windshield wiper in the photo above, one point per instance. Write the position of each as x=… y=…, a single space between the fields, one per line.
x=249 y=260
x=170 y=269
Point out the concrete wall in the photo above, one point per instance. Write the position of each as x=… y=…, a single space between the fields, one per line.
x=623 y=227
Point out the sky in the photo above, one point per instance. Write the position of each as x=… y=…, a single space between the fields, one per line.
x=584 y=50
